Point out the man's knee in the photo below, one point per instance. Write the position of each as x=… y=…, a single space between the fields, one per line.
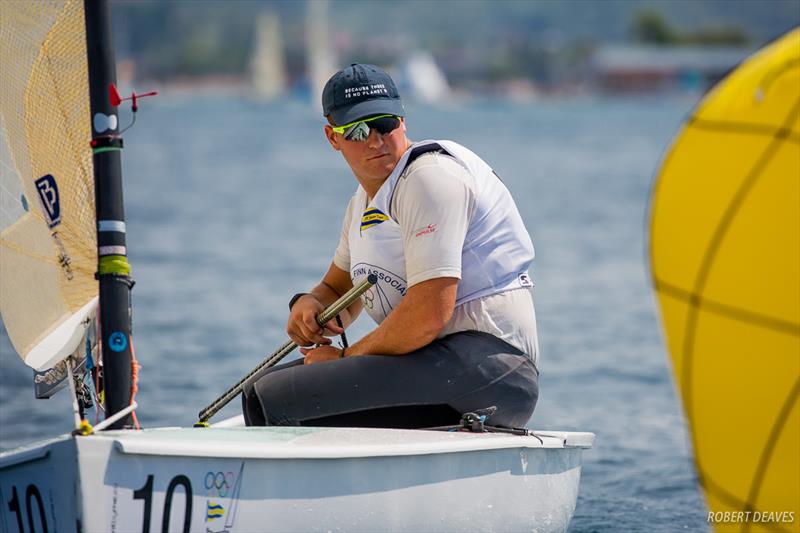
x=251 y=408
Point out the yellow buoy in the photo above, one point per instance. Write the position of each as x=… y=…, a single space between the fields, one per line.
x=725 y=259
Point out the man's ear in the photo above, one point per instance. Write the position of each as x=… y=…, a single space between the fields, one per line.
x=332 y=139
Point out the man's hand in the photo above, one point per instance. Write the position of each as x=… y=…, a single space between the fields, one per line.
x=323 y=353
x=302 y=326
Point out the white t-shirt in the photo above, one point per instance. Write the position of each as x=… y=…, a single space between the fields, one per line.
x=433 y=204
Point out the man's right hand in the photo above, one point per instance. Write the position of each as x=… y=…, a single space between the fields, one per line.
x=302 y=326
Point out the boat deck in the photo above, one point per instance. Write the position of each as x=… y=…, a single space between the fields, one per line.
x=306 y=442
x=323 y=443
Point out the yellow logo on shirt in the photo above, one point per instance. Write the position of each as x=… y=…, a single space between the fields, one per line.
x=372 y=217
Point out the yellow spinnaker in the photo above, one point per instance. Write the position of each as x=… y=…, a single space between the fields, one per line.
x=725 y=257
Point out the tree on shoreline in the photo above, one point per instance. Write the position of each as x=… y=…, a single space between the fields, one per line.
x=650 y=26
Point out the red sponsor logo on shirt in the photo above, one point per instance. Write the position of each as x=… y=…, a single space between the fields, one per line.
x=430 y=228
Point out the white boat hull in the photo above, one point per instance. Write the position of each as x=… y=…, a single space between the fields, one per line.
x=292 y=479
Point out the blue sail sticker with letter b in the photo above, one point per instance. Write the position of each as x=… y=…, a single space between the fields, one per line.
x=48 y=194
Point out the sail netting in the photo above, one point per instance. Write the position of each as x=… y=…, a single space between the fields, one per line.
x=48 y=254
x=725 y=256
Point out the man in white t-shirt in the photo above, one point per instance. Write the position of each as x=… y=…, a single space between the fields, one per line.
x=456 y=324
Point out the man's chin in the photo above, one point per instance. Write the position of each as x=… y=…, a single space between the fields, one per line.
x=381 y=168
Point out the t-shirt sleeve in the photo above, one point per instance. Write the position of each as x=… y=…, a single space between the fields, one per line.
x=341 y=258
x=433 y=205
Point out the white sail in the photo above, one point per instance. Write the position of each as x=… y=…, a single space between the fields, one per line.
x=423 y=80
x=321 y=58
x=268 y=68
x=48 y=254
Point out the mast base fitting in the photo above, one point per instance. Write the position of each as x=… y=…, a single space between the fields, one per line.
x=201 y=424
x=84 y=430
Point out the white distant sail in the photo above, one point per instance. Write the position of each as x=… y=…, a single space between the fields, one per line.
x=321 y=58
x=423 y=80
x=268 y=67
x=48 y=254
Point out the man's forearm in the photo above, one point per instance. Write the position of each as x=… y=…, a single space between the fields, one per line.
x=334 y=284
x=327 y=295
x=417 y=320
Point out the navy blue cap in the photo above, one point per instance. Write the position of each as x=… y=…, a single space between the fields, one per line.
x=359 y=91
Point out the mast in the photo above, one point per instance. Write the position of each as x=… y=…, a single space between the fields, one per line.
x=113 y=268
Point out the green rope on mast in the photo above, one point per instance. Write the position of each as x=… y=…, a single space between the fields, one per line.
x=106 y=149
x=114 y=264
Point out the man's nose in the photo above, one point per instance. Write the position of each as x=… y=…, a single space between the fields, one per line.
x=375 y=139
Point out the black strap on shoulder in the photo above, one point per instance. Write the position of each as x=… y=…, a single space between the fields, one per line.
x=415 y=153
x=424 y=149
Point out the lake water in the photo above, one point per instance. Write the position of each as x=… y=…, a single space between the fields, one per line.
x=232 y=207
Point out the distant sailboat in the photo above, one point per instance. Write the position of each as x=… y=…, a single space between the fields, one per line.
x=268 y=69
x=319 y=54
x=422 y=80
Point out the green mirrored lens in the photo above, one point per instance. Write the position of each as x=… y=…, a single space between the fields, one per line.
x=359 y=132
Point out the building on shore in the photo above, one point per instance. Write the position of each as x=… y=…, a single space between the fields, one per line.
x=638 y=68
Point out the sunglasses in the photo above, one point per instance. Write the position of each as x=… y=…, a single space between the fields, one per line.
x=359 y=131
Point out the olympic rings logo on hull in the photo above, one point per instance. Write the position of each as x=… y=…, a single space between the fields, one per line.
x=219 y=482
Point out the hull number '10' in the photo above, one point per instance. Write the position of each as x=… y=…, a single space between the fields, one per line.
x=33 y=510
x=146 y=493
